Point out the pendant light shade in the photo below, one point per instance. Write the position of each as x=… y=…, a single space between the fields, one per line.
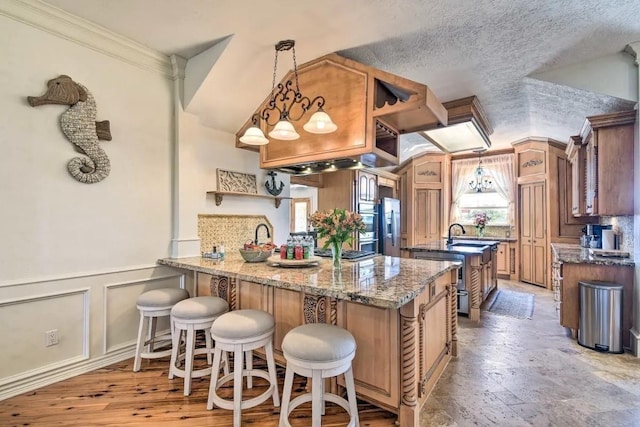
x=287 y=104
x=285 y=131
x=254 y=136
x=320 y=122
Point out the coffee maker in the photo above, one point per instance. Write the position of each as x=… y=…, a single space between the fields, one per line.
x=592 y=237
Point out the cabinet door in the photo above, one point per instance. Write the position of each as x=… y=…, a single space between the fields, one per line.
x=591 y=192
x=372 y=192
x=367 y=187
x=428 y=216
x=363 y=188
x=533 y=242
x=576 y=192
x=502 y=258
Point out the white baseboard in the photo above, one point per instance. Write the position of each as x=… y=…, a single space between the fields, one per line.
x=44 y=377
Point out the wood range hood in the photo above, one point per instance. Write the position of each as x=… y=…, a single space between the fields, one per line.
x=371 y=109
x=468 y=127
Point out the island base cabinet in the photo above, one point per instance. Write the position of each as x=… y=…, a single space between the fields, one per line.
x=401 y=352
x=377 y=362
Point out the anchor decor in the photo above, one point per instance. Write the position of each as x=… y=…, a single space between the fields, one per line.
x=271 y=186
x=79 y=125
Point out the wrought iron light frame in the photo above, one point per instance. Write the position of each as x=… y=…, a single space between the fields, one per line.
x=481 y=181
x=282 y=101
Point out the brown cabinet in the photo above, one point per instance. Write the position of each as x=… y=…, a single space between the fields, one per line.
x=577 y=157
x=608 y=164
x=568 y=276
x=533 y=240
x=424 y=194
x=545 y=204
x=428 y=214
x=502 y=259
x=367 y=187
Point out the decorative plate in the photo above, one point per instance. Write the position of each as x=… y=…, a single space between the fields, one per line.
x=276 y=261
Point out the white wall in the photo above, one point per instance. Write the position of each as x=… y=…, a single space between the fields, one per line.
x=202 y=151
x=613 y=75
x=50 y=223
x=73 y=256
x=301 y=192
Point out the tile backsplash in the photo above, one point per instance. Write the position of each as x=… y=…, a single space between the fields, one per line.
x=230 y=230
x=623 y=226
x=501 y=231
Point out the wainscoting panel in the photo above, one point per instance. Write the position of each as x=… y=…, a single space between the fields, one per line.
x=121 y=315
x=24 y=322
x=94 y=313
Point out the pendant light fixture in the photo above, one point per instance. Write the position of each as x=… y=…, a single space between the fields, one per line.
x=481 y=181
x=278 y=112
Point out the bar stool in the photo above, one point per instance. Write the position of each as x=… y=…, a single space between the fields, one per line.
x=189 y=316
x=152 y=305
x=242 y=331
x=319 y=351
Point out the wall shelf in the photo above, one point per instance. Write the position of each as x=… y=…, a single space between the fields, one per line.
x=219 y=195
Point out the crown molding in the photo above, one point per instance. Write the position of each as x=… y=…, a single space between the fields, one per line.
x=53 y=20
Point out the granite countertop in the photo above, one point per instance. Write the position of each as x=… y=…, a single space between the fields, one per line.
x=441 y=246
x=381 y=281
x=576 y=254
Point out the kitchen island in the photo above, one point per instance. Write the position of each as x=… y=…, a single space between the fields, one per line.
x=478 y=274
x=402 y=313
x=573 y=263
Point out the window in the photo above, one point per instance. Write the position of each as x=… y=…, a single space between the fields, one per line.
x=489 y=202
x=300 y=210
x=497 y=202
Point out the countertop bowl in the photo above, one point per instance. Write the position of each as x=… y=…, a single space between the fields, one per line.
x=255 y=256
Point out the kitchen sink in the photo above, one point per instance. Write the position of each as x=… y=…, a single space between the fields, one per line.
x=470 y=245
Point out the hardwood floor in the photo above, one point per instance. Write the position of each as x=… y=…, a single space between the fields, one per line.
x=510 y=372
x=116 y=396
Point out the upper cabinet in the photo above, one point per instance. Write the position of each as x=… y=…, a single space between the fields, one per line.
x=367 y=187
x=424 y=193
x=577 y=157
x=604 y=162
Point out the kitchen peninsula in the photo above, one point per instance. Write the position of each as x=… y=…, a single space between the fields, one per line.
x=402 y=312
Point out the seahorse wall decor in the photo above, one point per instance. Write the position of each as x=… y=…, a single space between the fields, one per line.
x=80 y=127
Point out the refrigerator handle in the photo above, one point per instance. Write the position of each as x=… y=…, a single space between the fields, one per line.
x=393 y=228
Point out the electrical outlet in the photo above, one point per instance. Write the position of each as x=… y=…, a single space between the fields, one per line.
x=51 y=338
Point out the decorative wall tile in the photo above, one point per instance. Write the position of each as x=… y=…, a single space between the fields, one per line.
x=230 y=230
x=623 y=227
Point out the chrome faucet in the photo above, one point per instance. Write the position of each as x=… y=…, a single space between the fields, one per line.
x=449 y=239
x=266 y=227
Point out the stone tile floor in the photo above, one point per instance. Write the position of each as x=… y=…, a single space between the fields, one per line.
x=519 y=372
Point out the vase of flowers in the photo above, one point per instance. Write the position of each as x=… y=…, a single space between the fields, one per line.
x=480 y=220
x=338 y=226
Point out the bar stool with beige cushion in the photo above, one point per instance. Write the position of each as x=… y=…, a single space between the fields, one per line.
x=319 y=351
x=189 y=316
x=152 y=305
x=241 y=332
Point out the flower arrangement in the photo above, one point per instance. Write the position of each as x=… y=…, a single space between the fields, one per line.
x=480 y=220
x=338 y=226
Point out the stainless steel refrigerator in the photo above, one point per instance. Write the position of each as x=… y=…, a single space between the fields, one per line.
x=389 y=230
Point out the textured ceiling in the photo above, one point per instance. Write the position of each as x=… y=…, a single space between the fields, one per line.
x=488 y=48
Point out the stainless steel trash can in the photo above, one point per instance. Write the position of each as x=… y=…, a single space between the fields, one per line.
x=600 y=325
